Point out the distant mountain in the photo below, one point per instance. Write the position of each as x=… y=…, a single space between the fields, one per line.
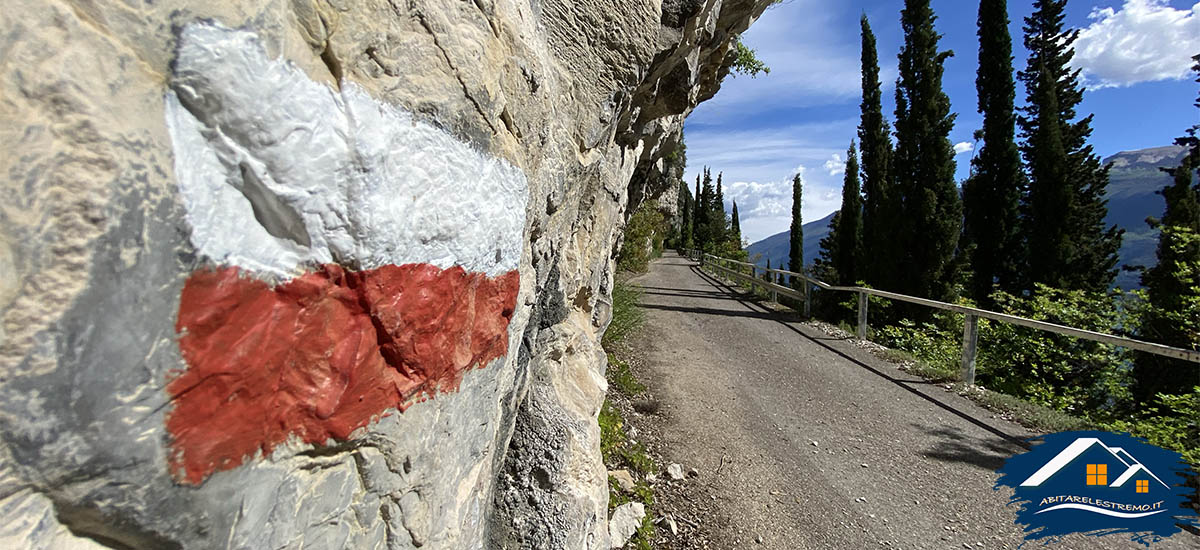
x=776 y=247
x=1134 y=181
x=1133 y=184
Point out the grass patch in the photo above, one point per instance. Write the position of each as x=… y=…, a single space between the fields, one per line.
x=626 y=315
x=612 y=436
x=1032 y=416
x=618 y=450
x=934 y=373
x=621 y=377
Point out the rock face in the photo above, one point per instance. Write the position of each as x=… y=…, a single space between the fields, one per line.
x=323 y=274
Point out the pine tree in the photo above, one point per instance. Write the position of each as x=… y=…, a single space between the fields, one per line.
x=735 y=229
x=991 y=197
x=924 y=162
x=796 y=237
x=1173 y=292
x=1050 y=198
x=879 y=208
x=823 y=267
x=1172 y=315
x=849 y=227
x=1068 y=248
x=1192 y=139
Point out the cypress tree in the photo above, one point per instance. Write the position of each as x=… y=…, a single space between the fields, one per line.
x=736 y=227
x=720 y=228
x=874 y=136
x=991 y=197
x=706 y=238
x=685 y=226
x=1068 y=248
x=719 y=203
x=697 y=215
x=924 y=163
x=1172 y=292
x=849 y=255
x=796 y=236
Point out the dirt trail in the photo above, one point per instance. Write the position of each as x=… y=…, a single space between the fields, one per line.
x=808 y=441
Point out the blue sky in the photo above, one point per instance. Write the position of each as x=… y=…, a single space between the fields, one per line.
x=1135 y=55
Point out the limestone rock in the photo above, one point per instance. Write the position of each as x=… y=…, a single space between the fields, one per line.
x=625 y=522
x=624 y=479
x=224 y=218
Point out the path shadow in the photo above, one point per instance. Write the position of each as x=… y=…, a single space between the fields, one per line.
x=908 y=385
x=710 y=311
x=687 y=294
x=956 y=446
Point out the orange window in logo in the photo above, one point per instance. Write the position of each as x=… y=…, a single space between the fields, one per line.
x=1143 y=486
x=1097 y=474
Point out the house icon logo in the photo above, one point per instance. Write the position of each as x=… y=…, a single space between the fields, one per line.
x=1098 y=483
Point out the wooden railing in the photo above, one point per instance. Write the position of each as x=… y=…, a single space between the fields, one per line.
x=972 y=315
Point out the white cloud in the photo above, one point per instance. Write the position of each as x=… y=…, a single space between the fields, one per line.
x=766 y=208
x=964 y=147
x=813 y=50
x=835 y=165
x=758 y=166
x=1143 y=41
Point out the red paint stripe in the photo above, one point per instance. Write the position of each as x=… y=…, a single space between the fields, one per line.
x=322 y=355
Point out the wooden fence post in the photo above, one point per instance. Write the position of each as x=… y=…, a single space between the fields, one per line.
x=807 y=298
x=970 y=347
x=862 y=315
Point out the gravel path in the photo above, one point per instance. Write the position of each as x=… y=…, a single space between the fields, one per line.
x=805 y=440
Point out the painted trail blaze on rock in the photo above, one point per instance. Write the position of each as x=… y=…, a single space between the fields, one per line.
x=435 y=227
x=320 y=356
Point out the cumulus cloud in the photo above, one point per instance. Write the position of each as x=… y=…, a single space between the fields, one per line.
x=1143 y=41
x=964 y=147
x=812 y=48
x=835 y=165
x=766 y=207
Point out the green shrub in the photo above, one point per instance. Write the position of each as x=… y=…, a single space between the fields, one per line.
x=940 y=350
x=1172 y=423
x=1060 y=372
x=644 y=235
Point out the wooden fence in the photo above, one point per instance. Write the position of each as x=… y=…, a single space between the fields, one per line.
x=970 y=346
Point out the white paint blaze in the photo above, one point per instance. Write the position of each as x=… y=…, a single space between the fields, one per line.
x=278 y=172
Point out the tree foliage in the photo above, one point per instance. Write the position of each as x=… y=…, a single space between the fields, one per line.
x=880 y=208
x=735 y=225
x=991 y=196
x=644 y=236
x=796 y=234
x=746 y=62
x=1171 y=314
x=1069 y=246
x=848 y=256
x=931 y=222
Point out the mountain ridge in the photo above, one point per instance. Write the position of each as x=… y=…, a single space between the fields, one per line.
x=1134 y=181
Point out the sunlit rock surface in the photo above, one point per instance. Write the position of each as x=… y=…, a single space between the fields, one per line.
x=476 y=154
